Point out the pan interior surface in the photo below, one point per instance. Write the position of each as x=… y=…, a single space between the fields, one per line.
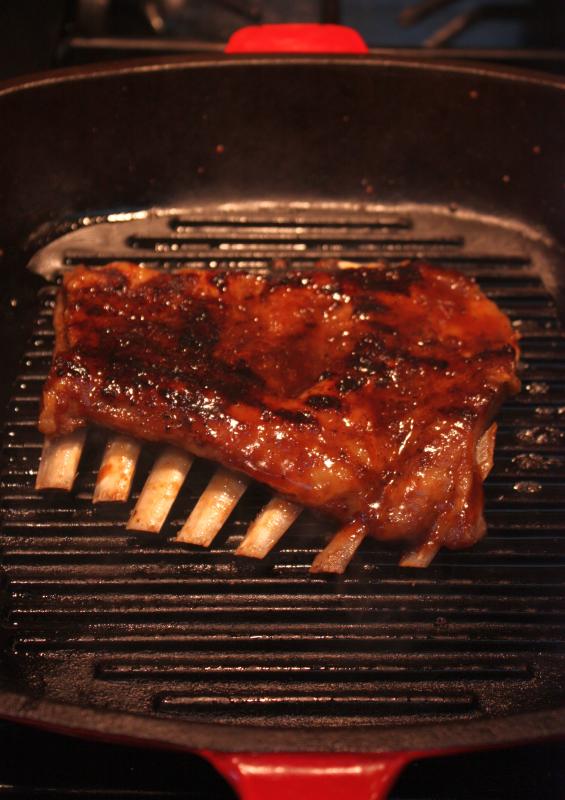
x=96 y=615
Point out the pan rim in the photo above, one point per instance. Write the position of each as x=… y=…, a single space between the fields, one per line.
x=161 y=731
x=222 y=61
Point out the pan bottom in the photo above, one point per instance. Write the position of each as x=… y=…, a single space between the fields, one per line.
x=96 y=615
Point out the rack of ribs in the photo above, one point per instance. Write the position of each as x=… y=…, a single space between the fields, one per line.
x=366 y=394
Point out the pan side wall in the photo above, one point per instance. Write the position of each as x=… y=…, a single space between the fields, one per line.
x=230 y=132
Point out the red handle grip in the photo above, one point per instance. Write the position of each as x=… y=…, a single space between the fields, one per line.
x=294 y=38
x=316 y=776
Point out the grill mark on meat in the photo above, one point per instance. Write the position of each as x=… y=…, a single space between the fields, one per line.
x=321 y=401
x=287 y=414
x=350 y=383
x=63 y=366
x=397 y=280
x=360 y=392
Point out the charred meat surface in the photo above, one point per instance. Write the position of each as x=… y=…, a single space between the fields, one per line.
x=360 y=392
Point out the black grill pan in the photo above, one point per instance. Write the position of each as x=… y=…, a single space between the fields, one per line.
x=243 y=163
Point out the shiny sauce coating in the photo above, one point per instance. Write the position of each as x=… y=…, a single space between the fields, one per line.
x=359 y=392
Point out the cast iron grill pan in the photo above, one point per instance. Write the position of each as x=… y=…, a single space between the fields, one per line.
x=135 y=622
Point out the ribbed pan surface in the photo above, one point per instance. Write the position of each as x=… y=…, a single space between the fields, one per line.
x=137 y=622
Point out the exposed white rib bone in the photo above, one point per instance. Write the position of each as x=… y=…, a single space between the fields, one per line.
x=161 y=488
x=341 y=264
x=216 y=503
x=485 y=451
x=117 y=469
x=59 y=461
x=338 y=553
x=268 y=527
x=420 y=556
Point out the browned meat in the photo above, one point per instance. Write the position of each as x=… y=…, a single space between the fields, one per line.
x=359 y=392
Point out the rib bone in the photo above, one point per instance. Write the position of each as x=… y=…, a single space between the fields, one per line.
x=216 y=503
x=337 y=554
x=485 y=451
x=420 y=556
x=116 y=472
x=268 y=527
x=161 y=488
x=59 y=461
x=58 y=468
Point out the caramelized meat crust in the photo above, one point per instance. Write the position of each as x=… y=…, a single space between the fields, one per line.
x=361 y=392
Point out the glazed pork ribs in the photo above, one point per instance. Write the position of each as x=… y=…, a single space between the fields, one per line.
x=366 y=394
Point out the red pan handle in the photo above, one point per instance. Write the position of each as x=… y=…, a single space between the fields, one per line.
x=316 y=776
x=295 y=38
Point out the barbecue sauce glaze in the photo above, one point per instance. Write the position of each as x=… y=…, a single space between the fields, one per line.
x=360 y=392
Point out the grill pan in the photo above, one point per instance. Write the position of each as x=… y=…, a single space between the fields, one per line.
x=243 y=162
